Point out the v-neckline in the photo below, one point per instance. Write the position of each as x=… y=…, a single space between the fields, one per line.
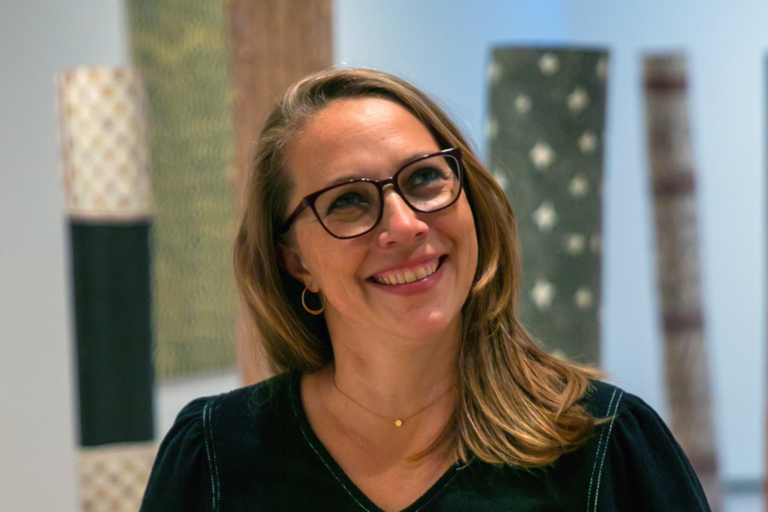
x=341 y=477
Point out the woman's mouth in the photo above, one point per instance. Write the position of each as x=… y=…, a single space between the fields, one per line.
x=408 y=274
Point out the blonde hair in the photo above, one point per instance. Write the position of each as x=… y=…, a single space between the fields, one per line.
x=518 y=405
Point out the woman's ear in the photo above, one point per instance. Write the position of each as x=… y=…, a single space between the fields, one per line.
x=292 y=261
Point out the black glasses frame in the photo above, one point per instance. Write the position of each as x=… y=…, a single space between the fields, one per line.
x=309 y=200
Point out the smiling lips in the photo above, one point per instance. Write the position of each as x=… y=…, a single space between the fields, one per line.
x=407 y=275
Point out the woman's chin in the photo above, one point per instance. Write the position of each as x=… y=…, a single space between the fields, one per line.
x=424 y=327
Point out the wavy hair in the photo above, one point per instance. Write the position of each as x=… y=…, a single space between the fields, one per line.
x=517 y=404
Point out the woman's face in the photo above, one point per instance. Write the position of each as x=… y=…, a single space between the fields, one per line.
x=372 y=138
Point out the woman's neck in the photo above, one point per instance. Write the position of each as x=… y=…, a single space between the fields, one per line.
x=392 y=376
x=353 y=407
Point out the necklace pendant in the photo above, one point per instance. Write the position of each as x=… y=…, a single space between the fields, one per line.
x=399 y=423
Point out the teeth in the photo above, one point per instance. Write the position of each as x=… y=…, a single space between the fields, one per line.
x=408 y=276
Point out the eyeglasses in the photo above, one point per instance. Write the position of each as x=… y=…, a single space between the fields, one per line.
x=427 y=184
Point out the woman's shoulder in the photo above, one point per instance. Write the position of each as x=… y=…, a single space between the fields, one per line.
x=632 y=459
x=257 y=395
x=207 y=439
x=245 y=402
x=619 y=410
x=613 y=406
x=243 y=408
x=625 y=425
x=603 y=399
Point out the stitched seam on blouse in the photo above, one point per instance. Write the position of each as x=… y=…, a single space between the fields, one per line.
x=597 y=453
x=215 y=460
x=210 y=461
x=615 y=410
x=296 y=415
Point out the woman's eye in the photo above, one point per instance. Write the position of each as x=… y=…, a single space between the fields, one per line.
x=425 y=176
x=348 y=200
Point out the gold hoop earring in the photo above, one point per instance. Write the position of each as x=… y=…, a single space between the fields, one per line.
x=312 y=311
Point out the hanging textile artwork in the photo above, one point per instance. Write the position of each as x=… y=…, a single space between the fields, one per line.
x=109 y=201
x=545 y=133
x=673 y=184
x=180 y=48
x=273 y=44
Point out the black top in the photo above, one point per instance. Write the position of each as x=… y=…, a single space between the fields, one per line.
x=253 y=450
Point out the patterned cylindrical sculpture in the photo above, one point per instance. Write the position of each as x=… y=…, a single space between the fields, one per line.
x=273 y=43
x=180 y=47
x=673 y=185
x=545 y=131
x=108 y=194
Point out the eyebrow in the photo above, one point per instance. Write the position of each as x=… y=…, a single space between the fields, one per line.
x=356 y=176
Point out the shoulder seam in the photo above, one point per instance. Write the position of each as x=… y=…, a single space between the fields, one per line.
x=210 y=451
x=613 y=407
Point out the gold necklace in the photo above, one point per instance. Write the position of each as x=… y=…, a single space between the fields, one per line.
x=398 y=422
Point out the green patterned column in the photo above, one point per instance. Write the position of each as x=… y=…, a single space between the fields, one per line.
x=180 y=48
x=545 y=130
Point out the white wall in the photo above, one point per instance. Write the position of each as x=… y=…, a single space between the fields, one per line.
x=440 y=45
x=443 y=46
x=37 y=424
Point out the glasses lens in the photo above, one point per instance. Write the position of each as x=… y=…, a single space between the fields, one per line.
x=432 y=183
x=350 y=209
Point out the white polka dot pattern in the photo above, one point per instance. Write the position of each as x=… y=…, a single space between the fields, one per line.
x=547 y=120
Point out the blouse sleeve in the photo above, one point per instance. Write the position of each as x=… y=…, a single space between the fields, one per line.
x=181 y=475
x=641 y=467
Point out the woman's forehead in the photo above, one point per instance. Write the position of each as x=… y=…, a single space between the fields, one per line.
x=357 y=121
x=355 y=136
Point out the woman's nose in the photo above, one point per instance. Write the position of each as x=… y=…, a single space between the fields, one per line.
x=400 y=224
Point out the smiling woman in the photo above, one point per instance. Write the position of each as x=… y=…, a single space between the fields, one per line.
x=413 y=387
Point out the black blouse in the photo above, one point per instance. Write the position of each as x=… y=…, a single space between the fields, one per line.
x=253 y=450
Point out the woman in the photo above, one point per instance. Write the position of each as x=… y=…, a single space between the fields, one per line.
x=380 y=262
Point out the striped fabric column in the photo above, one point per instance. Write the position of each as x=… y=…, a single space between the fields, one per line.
x=273 y=44
x=673 y=183
x=545 y=133
x=108 y=192
x=180 y=47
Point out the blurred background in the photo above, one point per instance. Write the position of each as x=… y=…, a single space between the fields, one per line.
x=443 y=47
